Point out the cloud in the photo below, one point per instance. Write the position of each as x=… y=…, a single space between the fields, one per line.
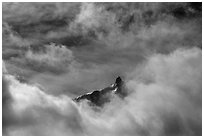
x=39 y=21
x=63 y=22
x=172 y=85
x=56 y=58
x=69 y=49
x=146 y=26
x=10 y=37
x=165 y=99
x=36 y=111
x=142 y=24
x=92 y=19
x=38 y=12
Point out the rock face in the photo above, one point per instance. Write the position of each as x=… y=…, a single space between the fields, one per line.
x=100 y=97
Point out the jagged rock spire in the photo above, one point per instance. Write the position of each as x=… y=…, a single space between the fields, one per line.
x=99 y=97
x=120 y=87
x=118 y=81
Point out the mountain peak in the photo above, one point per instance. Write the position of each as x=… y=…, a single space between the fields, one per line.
x=118 y=80
x=100 y=97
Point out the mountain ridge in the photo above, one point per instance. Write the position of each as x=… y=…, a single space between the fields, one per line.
x=100 y=97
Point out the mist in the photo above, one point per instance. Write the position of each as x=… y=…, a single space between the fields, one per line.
x=54 y=52
x=157 y=104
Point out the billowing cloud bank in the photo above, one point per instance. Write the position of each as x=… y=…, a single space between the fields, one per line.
x=165 y=98
x=53 y=52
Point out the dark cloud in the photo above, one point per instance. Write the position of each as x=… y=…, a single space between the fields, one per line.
x=75 y=24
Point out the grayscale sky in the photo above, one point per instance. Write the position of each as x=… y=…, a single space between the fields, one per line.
x=53 y=52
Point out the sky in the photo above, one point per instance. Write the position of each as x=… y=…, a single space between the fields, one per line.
x=53 y=52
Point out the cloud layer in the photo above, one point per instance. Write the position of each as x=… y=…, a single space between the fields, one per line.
x=53 y=52
x=158 y=104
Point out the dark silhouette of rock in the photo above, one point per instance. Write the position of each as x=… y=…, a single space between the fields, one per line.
x=100 y=97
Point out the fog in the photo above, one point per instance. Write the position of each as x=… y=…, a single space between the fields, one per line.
x=53 y=52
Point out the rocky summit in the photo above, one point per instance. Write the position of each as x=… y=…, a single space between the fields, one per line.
x=100 y=97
